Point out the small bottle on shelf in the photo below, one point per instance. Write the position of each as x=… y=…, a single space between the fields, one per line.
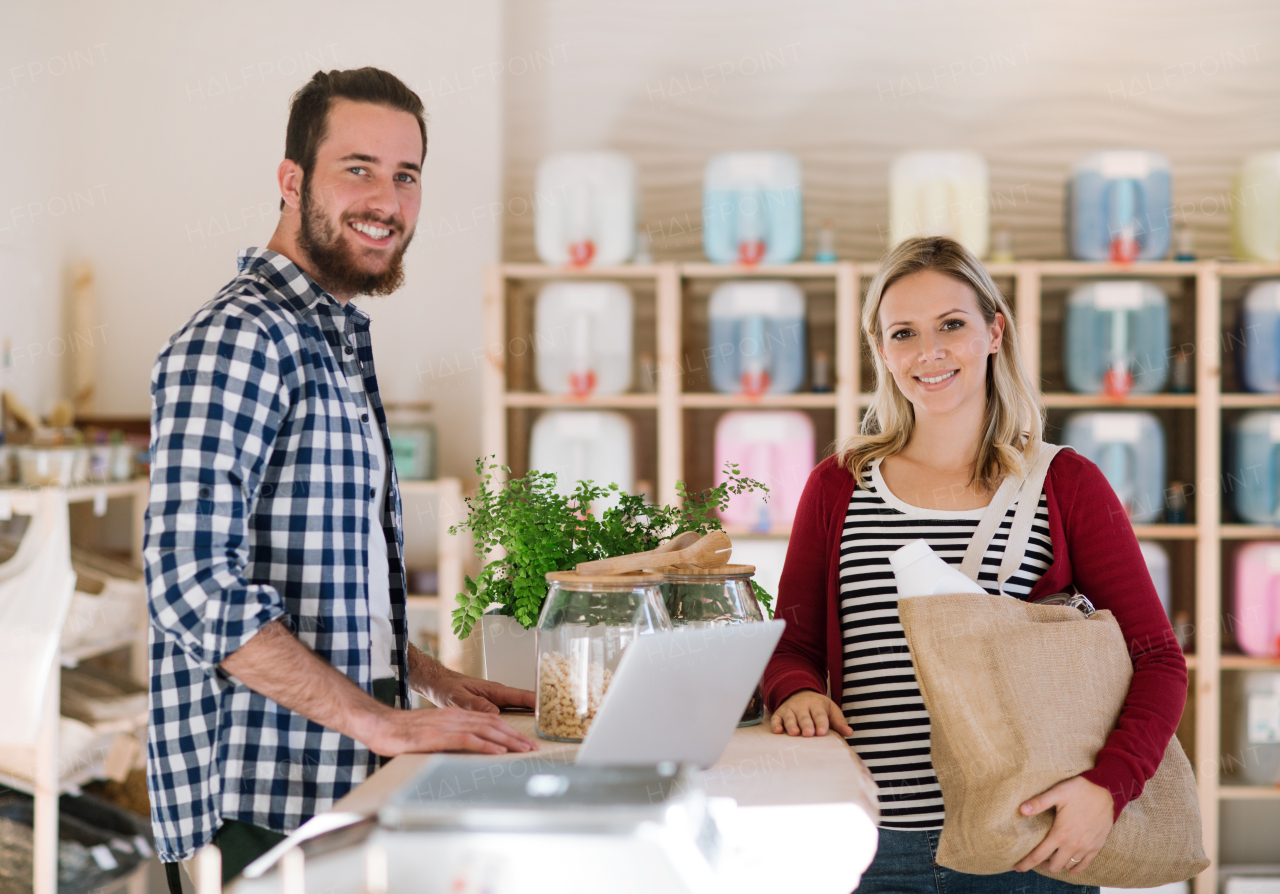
x=1002 y=246
x=648 y=373
x=1184 y=245
x=1180 y=378
x=644 y=247
x=820 y=380
x=1183 y=629
x=1176 y=513
x=826 y=252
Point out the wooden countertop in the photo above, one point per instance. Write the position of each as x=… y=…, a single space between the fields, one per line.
x=757 y=769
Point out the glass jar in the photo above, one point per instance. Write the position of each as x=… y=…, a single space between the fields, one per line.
x=587 y=621
x=713 y=597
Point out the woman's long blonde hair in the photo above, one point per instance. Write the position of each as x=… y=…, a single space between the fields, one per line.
x=1014 y=428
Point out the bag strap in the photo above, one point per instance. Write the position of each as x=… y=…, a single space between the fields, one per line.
x=1028 y=492
x=987 y=527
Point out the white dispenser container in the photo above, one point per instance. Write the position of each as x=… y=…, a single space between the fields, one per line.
x=1255 y=467
x=586 y=209
x=1251 y=726
x=1117 y=338
x=1258 y=360
x=757 y=335
x=1157 y=560
x=1118 y=206
x=752 y=208
x=767 y=554
x=581 y=445
x=582 y=336
x=1129 y=448
x=1255 y=209
x=940 y=194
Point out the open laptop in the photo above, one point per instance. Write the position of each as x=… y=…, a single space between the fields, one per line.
x=679 y=696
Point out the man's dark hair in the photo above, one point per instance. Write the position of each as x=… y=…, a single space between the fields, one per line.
x=309 y=109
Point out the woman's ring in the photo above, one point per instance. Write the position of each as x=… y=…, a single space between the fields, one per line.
x=1075 y=861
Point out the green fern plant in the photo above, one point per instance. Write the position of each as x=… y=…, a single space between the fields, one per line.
x=541 y=530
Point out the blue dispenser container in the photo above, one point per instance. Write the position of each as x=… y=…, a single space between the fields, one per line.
x=1258 y=354
x=757 y=334
x=752 y=209
x=1129 y=448
x=1255 y=468
x=1116 y=338
x=1118 y=206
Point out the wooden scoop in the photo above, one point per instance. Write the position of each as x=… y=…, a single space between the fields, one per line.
x=679 y=542
x=711 y=550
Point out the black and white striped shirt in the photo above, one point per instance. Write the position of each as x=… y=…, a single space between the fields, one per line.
x=881 y=697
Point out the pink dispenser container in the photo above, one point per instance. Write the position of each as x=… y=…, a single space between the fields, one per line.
x=1257 y=599
x=775 y=447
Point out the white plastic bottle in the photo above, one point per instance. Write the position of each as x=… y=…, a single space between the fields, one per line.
x=922 y=572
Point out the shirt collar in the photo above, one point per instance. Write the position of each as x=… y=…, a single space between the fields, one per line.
x=294 y=288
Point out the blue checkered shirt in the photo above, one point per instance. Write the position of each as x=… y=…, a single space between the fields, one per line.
x=260 y=487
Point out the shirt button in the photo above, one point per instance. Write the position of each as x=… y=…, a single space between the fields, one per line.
x=350 y=350
x=364 y=417
x=372 y=493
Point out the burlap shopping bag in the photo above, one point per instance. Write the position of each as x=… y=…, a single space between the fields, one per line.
x=1022 y=696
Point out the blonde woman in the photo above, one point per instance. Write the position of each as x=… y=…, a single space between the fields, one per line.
x=954 y=412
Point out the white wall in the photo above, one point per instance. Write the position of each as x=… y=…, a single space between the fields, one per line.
x=179 y=127
x=37 y=199
x=1032 y=86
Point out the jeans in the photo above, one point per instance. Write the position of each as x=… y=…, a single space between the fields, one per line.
x=905 y=864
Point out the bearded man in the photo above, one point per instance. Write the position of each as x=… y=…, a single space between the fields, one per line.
x=280 y=660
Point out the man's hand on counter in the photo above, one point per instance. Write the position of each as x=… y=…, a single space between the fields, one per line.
x=275 y=664
x=389 y=732
x=447 y=688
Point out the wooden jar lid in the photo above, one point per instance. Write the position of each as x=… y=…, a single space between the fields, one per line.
x=635 y=579
x=717 y=571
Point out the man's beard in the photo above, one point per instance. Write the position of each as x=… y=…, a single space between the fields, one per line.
x=336 y=266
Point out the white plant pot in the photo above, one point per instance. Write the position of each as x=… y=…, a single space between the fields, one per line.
x=510 y=651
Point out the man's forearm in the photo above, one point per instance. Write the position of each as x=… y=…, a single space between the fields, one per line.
x=424 y=670
x=275 y=664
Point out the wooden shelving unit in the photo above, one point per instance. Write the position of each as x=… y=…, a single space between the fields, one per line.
x=1202 y=297
x=49 y=779
x=429 y=508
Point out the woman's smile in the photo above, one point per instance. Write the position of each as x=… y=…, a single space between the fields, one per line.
x=937 y=381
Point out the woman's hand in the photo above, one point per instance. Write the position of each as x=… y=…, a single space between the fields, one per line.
x=809 y=713
x=1085 y=814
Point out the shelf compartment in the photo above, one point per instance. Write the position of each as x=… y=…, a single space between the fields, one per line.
x=1091 y=269
x=565 y=402
x=1232 y=269
x=87 y=493
x=1165 y=532
x=764 y=401
x=801 y=269
x=1247 y=792
x=1063 y=400
x=1249 y=401
x=1249 y=532
x=1248 y=662
x=616 y=271
x=73 y=657
x=745 y=533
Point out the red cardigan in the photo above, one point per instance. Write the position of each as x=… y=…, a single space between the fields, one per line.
x=1093 y=547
